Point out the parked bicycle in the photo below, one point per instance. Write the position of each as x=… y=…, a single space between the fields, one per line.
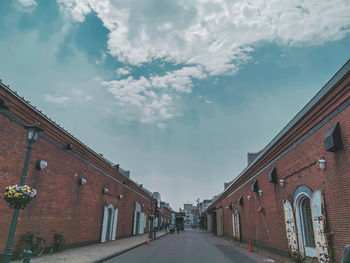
x=58 y=242
x=33 y=242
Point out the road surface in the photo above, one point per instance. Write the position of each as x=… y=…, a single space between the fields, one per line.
x=190 y=246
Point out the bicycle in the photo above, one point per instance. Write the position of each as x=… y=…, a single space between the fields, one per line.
x=33 y=242
x=58 y=242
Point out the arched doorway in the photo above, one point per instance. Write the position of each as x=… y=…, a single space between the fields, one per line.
x=302 y=205
x=236 y=225
x=109 y=223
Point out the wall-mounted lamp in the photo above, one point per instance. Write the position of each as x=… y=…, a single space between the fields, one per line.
x=230 y=206
x=82 y=181
x=248 y=197
x=120 y=196
x=322 y=164
x=260 y=192
x=282 y=182
x=40 y=164
x=105 y=190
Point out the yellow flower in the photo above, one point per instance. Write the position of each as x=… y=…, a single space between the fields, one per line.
x=16 y=194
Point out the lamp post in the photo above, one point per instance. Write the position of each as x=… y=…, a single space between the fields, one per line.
x=32 y=135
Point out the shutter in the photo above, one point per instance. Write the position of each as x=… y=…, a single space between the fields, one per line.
x=134 y=225
x=238 y=227
x=319 y=224
x=233 y=226
x=140 y=228
x=104 y=224
x=143 y=223
x=115 y=222
x=291 y=230
x=209 y=223
x=219 y=222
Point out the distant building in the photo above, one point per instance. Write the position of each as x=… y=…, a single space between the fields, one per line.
x=191 y=214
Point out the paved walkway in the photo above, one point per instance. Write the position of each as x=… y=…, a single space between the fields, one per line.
x=95 y=253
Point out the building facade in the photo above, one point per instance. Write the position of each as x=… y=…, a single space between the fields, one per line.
x=79 y=194
x=294 y=195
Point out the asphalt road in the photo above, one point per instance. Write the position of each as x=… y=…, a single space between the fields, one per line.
x=190 y=246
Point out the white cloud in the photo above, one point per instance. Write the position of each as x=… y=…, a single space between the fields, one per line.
x=77 y=96
x=101 y=58
x=178 y=80
x=208 y=33
x=76 y=8
x=205 y=37
x=123 y=71
x=80 y=96
x=61 y=100
x=25 y=5
x=152 y=96
x=136 y=97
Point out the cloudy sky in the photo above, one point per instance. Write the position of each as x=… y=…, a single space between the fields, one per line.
x=176 y=91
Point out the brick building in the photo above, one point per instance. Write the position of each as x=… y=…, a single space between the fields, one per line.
x=294 y=194
x=108 y=206
x=165 y=213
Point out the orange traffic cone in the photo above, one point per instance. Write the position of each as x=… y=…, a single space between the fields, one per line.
x=147 y=240
x=250 y=247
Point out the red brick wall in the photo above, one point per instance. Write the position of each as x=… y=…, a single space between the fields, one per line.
x=61 y=203
x=268 y=227
x=166 y=214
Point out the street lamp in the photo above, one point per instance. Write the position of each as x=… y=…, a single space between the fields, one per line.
x=33 y=132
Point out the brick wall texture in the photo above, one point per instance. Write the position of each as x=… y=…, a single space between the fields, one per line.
x=268 y=228
x=61 y=204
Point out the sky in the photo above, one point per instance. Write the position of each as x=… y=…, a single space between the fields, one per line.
x=175 y=91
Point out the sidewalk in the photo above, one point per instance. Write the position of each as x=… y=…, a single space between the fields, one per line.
x=95 y=253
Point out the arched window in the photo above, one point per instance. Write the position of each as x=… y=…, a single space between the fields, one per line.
x=304 y=223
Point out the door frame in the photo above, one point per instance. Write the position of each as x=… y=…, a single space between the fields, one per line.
x=298 y=200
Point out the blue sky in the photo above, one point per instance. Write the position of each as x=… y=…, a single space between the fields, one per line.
x=176 y=91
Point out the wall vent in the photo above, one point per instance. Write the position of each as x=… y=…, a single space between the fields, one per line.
x=332 y=140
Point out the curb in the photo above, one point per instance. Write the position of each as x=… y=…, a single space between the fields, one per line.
x=126 y=250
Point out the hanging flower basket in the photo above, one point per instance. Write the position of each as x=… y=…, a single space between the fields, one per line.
x=19 y=196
